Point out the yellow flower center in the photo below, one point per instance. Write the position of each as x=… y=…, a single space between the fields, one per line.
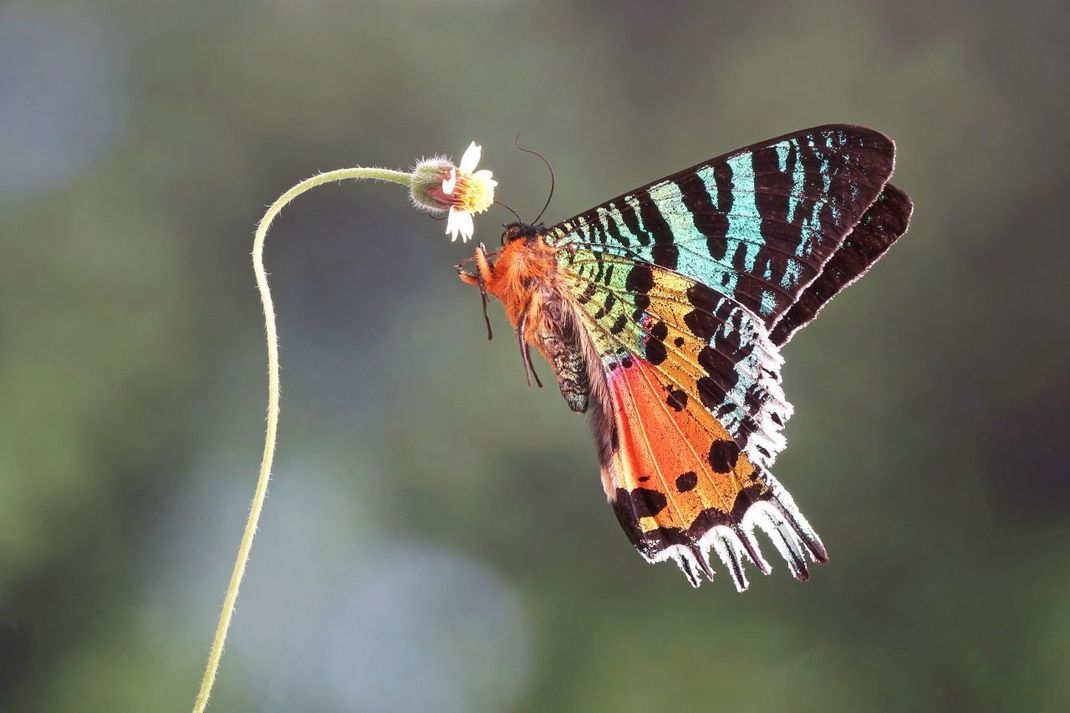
x=474 y=193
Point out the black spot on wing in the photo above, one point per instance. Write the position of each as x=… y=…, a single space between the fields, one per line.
x=639 y=282
x=656 y=352
x=588 y=292
x=647 y=502
x=686 y=481
x=720 y=376
x=607 y=306
x=723 y=456
x=701 y=320
x=640 y=279
x=677 y=399
x=655 y=343
x=709 y=393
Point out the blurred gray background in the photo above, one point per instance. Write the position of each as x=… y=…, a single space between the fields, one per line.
x=436 y=538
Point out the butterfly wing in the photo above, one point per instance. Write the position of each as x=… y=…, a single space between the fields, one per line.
x=883 y=223
x=682 y=291
x=758 y=224
x=690 y=417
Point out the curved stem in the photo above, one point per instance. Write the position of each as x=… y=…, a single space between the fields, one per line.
x=231 y=597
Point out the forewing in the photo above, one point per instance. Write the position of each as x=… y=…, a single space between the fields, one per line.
x=757 y=224
x=695 y=412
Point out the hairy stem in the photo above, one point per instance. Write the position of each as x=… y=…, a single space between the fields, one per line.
x=231 y=597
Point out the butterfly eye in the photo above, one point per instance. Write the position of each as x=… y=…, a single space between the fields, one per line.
x=513 y=231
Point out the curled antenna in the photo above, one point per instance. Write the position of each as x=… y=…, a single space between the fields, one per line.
x=516 y=142
x=508 y=208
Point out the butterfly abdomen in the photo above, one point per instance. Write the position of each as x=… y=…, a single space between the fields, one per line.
x=569 y=366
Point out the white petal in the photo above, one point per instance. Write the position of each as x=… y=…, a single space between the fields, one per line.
x=485 y=175
x=465 y=225
x=451 y=224
x=471 y=157
x=448 y=184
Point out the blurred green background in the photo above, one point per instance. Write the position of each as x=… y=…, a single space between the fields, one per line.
x=436 y=538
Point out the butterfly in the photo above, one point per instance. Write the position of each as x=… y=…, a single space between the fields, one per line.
x=663 y=311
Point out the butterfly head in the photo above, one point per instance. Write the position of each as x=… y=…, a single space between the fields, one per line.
x=518 y=231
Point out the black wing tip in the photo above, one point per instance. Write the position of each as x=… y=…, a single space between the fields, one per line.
x=868 y=137
x=878 y=138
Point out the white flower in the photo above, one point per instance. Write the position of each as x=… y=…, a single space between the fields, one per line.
x=469 y=192
x=438 y=185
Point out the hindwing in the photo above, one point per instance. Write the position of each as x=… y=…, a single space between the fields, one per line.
x=883 y=223
x=696 y=412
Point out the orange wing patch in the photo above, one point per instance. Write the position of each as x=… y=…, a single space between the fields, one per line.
x=671 y=445
x=677 y=475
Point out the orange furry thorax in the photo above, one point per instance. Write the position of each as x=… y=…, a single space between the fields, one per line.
x=519 y=274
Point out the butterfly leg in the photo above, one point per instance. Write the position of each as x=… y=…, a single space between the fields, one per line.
x=484 y=271
x=525 y=349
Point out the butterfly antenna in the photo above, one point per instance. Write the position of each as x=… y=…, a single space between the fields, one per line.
x=516 y=142
x=508 y=208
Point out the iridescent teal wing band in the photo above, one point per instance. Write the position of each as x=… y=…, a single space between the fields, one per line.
x=758 y=225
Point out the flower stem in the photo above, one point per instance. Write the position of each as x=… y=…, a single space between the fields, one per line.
x=231 y=597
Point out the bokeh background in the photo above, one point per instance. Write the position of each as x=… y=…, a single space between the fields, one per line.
x=436 y=538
